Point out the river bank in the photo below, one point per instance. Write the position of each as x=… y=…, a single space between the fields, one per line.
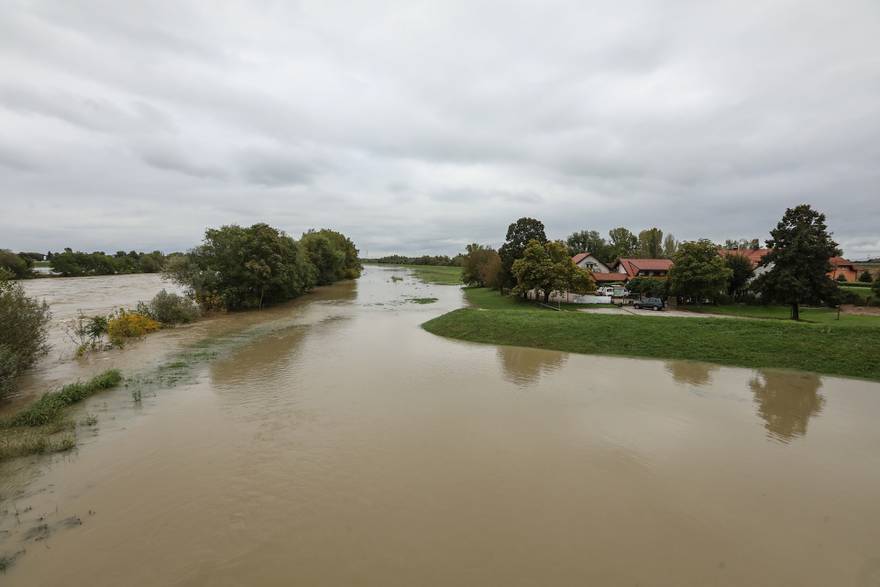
x=847 y=348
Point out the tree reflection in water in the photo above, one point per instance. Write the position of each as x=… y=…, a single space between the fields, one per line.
x=691 y=372
x=525 y=366
x=786 y=401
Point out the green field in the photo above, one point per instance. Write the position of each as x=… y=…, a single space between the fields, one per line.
x=441 y=275
x=862 y=292
x=808 y=315
x=848 y=347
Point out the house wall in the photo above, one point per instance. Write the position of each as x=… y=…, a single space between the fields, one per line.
x=594 y=264
x=848 y=272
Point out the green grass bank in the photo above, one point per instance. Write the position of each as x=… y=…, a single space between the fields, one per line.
x=838 y=348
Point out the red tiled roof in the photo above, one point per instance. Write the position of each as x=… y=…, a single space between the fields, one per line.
x=753 y=255
x=840 y=262
x=579 y=257
x=609 y=277
x=633 y=266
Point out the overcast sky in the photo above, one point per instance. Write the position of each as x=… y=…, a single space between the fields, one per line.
x=422 y=126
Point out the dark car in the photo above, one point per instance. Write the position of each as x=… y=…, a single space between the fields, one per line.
x=649 y=304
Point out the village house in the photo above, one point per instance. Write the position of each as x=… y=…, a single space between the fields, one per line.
x=840 y=266
x=642 y=267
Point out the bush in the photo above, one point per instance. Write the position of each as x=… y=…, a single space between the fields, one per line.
x=48 y=408
x=126 y=325
x=23 y=334
x=170 y=308
x=865 y=277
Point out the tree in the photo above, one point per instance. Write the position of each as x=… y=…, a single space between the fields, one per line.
x=518 y=236
x=741 y=272
x=24 y=335
x=876 y=288
x=236 y=268
x=670 y=246
x=865 y=277
x=651 y=243
x=19 y=267
x=480 y=266
x=698 y=272
x=589 y=241
x=334 y=256
x=623 y=243
x=546 y=268
x=800 y=247
x=651 y=287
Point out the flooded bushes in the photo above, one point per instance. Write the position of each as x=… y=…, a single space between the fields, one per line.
x=24 y=332
x=170 y=309
x=237 y=268
x=126 y=325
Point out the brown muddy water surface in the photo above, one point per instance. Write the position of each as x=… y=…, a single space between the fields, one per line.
x=333 y=442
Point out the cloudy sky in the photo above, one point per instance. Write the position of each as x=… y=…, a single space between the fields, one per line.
x=421 y=126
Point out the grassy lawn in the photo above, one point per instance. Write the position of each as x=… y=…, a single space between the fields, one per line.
x=441 y=275
x=809 y=315
x=837 y=349
x=862 y=292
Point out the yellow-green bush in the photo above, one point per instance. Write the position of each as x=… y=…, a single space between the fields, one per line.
x=125 y=325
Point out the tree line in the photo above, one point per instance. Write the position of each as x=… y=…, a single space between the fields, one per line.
x=438 y=260
x=70 y=263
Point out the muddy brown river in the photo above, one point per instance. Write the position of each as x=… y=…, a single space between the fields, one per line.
x=334 y=442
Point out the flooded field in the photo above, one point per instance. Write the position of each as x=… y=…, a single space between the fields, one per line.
x=333 y=442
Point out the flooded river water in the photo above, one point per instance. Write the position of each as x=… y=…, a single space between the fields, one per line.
x=334 y=442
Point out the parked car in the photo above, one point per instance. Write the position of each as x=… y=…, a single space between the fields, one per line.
x=649 y=304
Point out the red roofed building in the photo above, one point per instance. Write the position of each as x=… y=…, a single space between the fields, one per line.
x=753 y=255
x=841 y=266
x=642 y=267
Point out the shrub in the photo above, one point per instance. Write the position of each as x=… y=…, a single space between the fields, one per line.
x=23 y=334
x=49 y=407
x=126 y=325
x=865 y=277
x=170 y=308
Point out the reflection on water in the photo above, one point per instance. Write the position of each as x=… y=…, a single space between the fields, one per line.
x=525 y=366
x=786 y=401
x=691 y=372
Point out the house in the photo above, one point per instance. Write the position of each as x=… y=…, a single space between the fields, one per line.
x=642 y=267
x=588 y=261
x=842 y=267
x=602 y=273
x=753 y=255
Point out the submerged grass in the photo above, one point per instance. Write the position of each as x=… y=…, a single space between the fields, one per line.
x=41 y=427
x=422 y=300
x=438 y=274
x=50 y=407
x=836 y=349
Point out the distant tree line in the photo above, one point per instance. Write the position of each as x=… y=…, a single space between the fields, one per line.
x=237 y=268
x=70 y=263
x=440 y=260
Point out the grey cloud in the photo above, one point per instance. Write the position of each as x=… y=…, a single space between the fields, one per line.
x=422 y=128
